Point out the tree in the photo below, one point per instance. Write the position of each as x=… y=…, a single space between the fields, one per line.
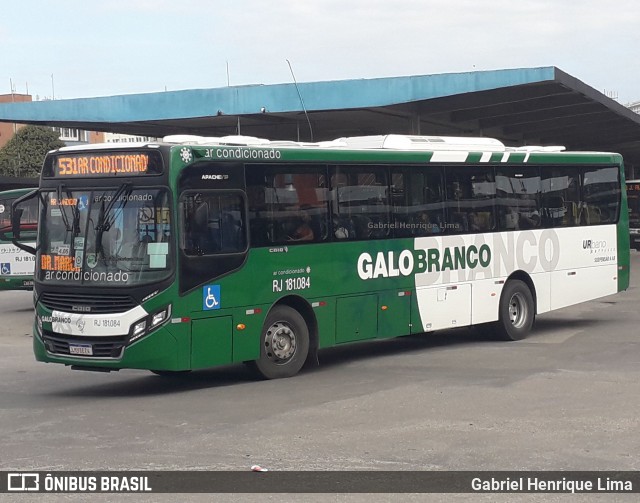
x=24 y=153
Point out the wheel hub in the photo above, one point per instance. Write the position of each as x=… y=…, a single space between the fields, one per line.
x=280 y=342
x=517 y=310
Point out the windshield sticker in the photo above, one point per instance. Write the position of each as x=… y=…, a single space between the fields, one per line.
x=92 y=260
x=158 y=248
x=157 y=261
x=83 y=203
x=78 y=259
x=64 y=250
x=157 y=255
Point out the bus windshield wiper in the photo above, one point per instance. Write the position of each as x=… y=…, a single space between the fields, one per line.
x=104 y=220
x=63 y=211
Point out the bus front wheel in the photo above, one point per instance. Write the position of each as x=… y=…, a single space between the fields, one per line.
x=284 y=343
x=517 y=311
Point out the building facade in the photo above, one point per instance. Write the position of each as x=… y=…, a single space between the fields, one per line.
x=8 y=129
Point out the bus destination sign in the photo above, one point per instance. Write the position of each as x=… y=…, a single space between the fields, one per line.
x=98 y=164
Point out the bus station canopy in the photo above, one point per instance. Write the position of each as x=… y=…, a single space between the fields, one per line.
x=529 y=106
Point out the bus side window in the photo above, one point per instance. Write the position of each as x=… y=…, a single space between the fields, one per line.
x=601 y=194
x=360 y=202
x=213 y=223
x=287 y=204
x=518 y=198
x=471 y=197
x=561 y=199
x=418 y=208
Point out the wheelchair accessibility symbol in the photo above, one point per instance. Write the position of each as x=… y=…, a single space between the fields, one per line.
x=210 y=297
x=5 y=268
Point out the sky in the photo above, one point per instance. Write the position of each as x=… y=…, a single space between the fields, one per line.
x=83 y=48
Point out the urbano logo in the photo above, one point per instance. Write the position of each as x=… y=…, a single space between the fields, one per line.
x=23 y=482
x=592 y=244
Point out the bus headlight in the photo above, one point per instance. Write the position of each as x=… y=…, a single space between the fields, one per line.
x=140 y=327
x=148 y=323
x=161 y=316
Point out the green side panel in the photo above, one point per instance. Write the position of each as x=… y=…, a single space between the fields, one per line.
x=395 y=320
x=211 y=342
x=356 y=318
x=246 y=343
x=326 y=318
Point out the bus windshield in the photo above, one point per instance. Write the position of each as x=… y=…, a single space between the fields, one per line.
x=114 y=237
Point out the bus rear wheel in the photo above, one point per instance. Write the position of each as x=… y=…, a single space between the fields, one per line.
x=517 y=311
x=284 y=344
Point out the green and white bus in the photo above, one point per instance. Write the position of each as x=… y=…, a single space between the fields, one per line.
x=633 y=199
x=197 y=252
x=16 y=265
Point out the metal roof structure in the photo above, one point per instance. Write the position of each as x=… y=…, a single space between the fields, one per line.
x=12 y=182
x=529 y=106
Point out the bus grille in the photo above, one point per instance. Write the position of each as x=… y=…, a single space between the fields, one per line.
x=100 y=348
x=96 y=304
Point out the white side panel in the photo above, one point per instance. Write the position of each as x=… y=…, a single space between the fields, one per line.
x=583 y=261
x=572 y=286
x=542 y=284
x=444 y=307
x=486 y=300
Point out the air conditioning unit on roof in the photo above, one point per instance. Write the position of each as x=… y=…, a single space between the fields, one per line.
x=410 y=142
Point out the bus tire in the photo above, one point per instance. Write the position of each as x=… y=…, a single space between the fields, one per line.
x=284 y=344
x=516 y=311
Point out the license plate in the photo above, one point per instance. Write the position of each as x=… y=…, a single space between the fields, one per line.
x=81 y=349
